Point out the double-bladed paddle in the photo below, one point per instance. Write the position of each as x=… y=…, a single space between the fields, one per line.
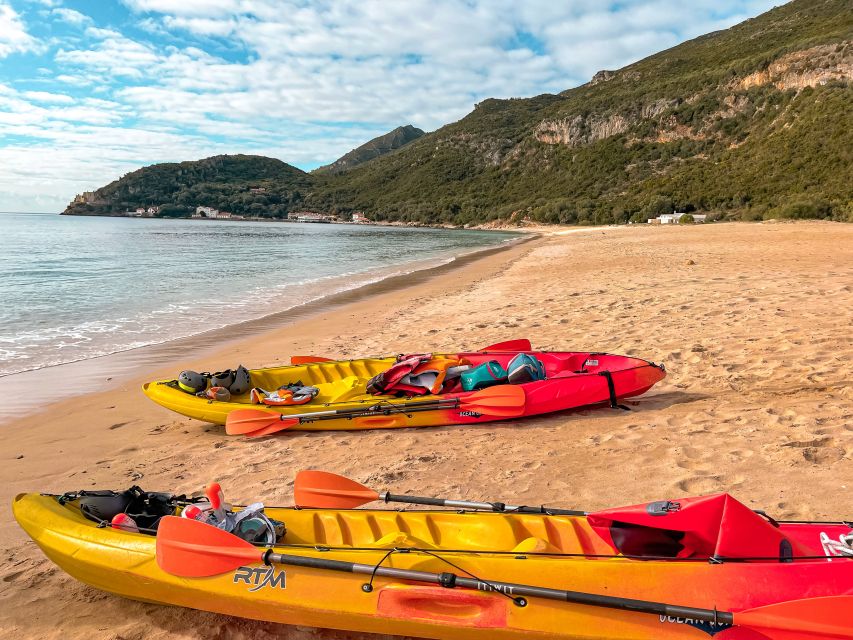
x=194 y=549
x=324 y=490
x=502 y=401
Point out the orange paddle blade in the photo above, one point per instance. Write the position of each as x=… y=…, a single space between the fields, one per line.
x=823 y=617
x=522 y=344
x=242 y=421
x=194 y=549
x=502 y=401
x=308 y=359
x=326 y=490
x=281 y=425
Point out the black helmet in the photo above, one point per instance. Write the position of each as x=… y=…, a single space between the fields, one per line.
x=222 y=378
x=242 y=381
x=192 y=382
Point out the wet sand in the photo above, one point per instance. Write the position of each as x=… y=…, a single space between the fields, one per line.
x=752 y=320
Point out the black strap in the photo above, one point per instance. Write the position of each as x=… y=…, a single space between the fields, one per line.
x=611 y=388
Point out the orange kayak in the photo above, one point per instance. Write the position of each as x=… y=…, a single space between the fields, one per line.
x=719 y=570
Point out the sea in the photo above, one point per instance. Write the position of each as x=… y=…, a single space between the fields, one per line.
x=75 y=288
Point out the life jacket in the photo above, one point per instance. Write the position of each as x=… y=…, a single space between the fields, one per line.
x=416 y=374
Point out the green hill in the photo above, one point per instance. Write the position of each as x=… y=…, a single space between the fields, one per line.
x=248 y=185
x=754 y=121
x=379 y=146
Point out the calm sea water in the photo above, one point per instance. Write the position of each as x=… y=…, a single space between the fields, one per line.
x=73 y=288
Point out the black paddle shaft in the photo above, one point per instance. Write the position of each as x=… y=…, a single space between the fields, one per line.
x=499 y=507
x=518 y=592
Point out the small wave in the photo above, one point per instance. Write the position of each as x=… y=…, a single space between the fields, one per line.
x=89 y=340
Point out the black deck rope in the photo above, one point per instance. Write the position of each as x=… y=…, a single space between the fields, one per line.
x=368 y=586
x=446 y=580
x=557 y=554
x=521 y=602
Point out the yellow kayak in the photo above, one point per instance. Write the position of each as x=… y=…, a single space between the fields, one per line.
x=570 y=380
x=551 y=552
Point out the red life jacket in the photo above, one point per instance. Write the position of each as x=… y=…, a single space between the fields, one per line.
x=417 y=374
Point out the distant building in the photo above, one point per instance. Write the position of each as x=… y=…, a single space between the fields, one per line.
x=207 y=212
x=309 y=216
x=222 y=215
x=140 y=210
x=152 y=211
x=359 y=218
x=675 y=216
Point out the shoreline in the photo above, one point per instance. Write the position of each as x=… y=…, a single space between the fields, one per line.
x=89 y=375
x=751 y=321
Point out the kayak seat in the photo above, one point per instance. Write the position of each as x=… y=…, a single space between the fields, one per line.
x=349 y=388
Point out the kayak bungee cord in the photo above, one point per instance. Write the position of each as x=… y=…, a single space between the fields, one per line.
x=368 y=586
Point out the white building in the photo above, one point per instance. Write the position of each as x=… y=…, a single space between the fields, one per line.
x=360 y=218
x=673 y=218
x=207 y=212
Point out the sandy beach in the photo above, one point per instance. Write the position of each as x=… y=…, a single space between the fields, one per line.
x=751 y=320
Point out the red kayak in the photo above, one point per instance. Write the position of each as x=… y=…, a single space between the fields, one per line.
x=419 y=390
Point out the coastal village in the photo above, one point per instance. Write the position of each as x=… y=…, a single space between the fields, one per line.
x=210 y=213
x=204 y=212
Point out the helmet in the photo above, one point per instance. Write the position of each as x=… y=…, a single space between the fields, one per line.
x=242 y=381
x=222 y=378
x=192 y=382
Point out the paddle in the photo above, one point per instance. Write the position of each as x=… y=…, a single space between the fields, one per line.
x=522 y=344
x=502 y=401
x=324 y=490
x=193 y=549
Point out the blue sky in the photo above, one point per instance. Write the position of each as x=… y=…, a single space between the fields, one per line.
x=92 y=89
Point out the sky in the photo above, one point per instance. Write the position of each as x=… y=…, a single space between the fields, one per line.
x=92 y=89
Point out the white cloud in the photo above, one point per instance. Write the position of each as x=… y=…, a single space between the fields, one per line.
x=47 y=96
x=13 y=35
x=71 y=16
x=304 y=82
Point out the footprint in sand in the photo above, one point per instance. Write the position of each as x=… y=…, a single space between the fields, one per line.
x=697 y=485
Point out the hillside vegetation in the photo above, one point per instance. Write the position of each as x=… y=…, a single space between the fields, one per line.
x=224 y=182
x=752 y=122
x=379 y=146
